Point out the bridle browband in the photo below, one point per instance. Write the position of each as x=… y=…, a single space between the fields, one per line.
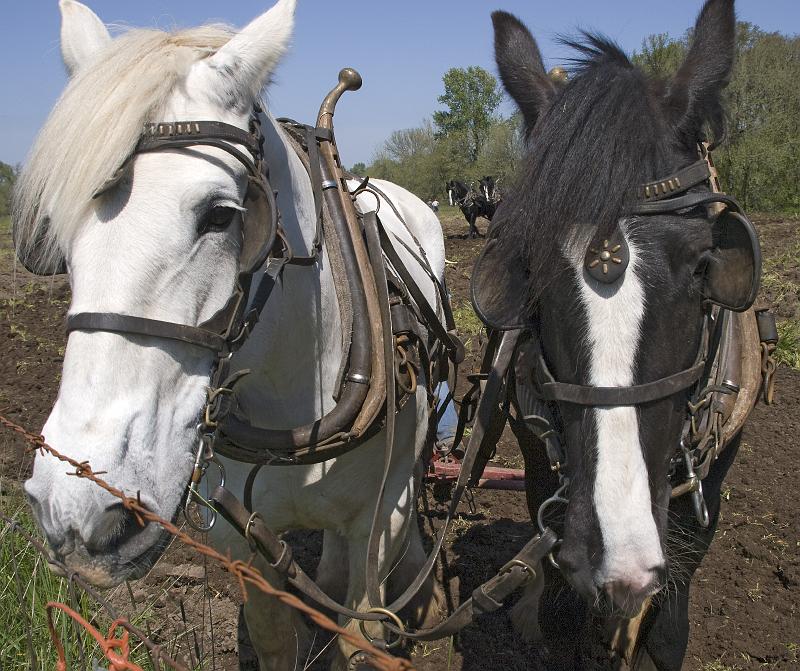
x=227 y=329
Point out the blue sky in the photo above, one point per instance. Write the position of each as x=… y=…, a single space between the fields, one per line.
x=402 y=49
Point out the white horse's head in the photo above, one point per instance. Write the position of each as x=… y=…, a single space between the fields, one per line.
x=163 y=244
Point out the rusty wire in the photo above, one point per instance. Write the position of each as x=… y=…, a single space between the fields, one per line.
x=116 y=650
x=155 y=652
x=244 y=572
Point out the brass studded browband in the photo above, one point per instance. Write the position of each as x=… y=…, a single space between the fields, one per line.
x=681 y=181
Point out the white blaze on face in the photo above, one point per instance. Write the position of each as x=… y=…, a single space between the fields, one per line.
x=621 y=489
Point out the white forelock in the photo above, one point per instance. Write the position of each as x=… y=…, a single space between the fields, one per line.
x=94 y=127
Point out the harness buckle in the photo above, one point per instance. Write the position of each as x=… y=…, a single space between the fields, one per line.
x=508 y=566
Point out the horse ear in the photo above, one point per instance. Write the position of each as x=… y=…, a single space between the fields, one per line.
x=521 y=69
x=245 y=63
x=82 y=35
x=695 y=93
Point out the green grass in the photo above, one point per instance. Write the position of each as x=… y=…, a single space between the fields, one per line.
x=5 y=224
x=26 y=585
x=467 y=321
x=719 y=666
x=788 y=351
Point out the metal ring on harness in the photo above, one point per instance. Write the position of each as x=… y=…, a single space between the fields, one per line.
x=250 y=541
x=392 y=616
x=205 y=456
x=558 y=497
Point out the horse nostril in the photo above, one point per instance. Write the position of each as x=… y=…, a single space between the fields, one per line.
x=628 y=595
x=115 y=526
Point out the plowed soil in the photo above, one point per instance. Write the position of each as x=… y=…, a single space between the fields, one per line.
x=745 y=596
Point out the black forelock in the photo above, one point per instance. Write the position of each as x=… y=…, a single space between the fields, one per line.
x=603 y=135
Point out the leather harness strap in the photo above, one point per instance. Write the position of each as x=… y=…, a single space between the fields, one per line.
x=486 y=598
x=615 y=396
x=130 y=325
x=686 y=178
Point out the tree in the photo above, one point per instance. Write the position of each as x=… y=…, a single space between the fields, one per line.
x=661 y=55
x=359 y=169
x=8 y=175
x=759 y=161
x=503 y=149
x=471 y=96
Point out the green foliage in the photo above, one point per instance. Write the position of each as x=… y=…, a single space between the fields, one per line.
x=471 y=96
x=25 y=579
x=359 y=169
x=788 y=351
x=466 y=141
x=760 y=160
x=660 y=55
x=8 y=175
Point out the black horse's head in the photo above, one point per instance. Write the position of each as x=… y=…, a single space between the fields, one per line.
x=456 y=191
x=591 y=144
x=487 y=185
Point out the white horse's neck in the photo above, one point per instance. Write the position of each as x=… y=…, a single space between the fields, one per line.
x=295 y=352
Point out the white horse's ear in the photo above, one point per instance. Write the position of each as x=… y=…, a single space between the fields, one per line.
x=247 y=61
x=82 y=35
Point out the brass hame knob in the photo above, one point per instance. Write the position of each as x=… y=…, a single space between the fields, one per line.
x=558 y=75
x=350 y=78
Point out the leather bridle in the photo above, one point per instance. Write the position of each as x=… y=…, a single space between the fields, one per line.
x=229 y=327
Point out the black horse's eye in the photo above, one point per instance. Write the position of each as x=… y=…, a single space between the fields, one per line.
x=218 y=218
x=703 y=262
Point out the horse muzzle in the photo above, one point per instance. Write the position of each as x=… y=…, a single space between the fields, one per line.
x=105 y=545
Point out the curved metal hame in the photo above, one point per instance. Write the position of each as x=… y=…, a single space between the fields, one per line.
x=360 y=401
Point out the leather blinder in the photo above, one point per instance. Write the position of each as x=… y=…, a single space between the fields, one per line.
x=733 y=276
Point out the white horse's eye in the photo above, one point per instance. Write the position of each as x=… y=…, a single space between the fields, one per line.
x=218 y=218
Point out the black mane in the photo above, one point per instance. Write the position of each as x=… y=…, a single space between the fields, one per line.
x=603 y=135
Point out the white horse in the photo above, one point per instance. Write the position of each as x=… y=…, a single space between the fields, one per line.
x=164 y=245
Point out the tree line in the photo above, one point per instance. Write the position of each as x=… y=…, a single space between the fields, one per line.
x=759 y=160
x=8 y=175
x=466 y=140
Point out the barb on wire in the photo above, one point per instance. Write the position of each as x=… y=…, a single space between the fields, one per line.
x=244 y=572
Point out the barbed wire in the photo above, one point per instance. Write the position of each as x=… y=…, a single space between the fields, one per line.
x=243 y=571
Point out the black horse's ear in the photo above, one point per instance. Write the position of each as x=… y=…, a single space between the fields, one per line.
x=520 y=64
x=694 y=96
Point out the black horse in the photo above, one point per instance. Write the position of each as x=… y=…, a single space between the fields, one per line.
x=613 y=295
x=472 y=203
x=488 y=187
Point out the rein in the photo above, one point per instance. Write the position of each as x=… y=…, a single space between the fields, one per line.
x=391 y=318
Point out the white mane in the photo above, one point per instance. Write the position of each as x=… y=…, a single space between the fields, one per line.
x=94 y=127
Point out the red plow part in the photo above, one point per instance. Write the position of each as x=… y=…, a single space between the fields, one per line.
x=446 y=470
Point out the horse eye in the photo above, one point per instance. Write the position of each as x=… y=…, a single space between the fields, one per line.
x=218 y=218
x=703 y=262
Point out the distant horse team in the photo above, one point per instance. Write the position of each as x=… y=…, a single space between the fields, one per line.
x=474 y=202
x=616 y=284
